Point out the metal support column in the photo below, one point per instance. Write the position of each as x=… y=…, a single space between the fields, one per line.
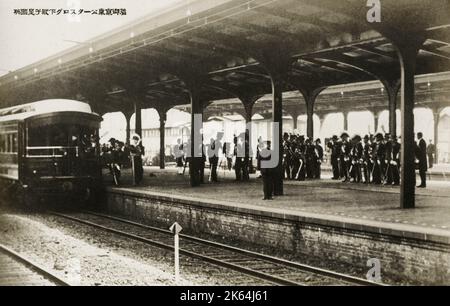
x=376 y=120
x=127 y=128
x=162 y=137
x=310 y=95
x=345 y=114
x=407 y=50
x=196 y=137
x=392 y=91
x=277 y=134
x=138 y=119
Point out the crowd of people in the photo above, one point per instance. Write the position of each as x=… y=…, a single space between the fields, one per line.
x=302 y=157
x=372 y=159
x=117 y=155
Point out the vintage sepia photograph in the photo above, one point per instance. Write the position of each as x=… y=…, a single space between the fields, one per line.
x=225 y=149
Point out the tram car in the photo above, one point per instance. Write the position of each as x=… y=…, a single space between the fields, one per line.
x=49 y=149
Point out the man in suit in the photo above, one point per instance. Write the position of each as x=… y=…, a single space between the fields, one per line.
x=421 y=155
x=267 y=172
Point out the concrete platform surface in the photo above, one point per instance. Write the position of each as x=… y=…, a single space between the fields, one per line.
x=365 y=205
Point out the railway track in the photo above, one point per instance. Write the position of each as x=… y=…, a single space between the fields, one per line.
x=274 y=270
x=16 y=270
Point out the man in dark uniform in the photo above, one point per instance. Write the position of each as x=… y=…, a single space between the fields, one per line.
x=388 y=147
x=366 y=162
x=295 y=160
x=136 y=152
x=395 y=161
x=238 y=159
x=213 y=158
x=287 y=156
x=245 y=139
x=310 y=158
x=345 y=157
x=318 y=153
x=300 y=156
x=333 y=146
x=421 y=155
x=378 y=156
x=267 y=172
x=356 y=155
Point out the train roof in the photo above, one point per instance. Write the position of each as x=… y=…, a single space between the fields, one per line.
x=25 y=111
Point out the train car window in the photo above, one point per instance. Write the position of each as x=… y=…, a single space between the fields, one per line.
x=8 y=143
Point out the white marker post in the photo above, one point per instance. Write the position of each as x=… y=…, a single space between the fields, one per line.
x=175 y=229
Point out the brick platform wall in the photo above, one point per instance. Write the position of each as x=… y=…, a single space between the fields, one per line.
x=405 y=258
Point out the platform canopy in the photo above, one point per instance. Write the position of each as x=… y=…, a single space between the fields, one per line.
x=229 y=47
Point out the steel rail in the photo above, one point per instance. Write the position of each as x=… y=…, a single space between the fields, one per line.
x=270 y=259
x=33 y=266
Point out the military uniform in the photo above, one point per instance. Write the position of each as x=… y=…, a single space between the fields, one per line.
x=334 y=158
x=366 y=161
x=267 y=173
x=345 y=161
x=378 y=157
x=356 y=155
x=318 y=154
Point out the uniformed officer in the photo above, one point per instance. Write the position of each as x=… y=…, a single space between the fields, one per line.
x=395 y=161
x=366 y=161
x=334 y=158
x=213 y=157
x=267 y=172
x=318 y=153
x=356 y=156
x=310 y=158
x=345 y=157
x=378 y=157
x=388 y=146
x=287 y=156
x=300 y=151
x=136 y=152
x=421 y=155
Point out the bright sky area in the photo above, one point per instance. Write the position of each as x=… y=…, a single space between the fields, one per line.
x=28 y=39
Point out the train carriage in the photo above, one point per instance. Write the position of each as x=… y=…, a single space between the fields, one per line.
x=49 y=148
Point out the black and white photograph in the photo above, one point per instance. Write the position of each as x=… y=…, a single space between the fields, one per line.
x=222 y=150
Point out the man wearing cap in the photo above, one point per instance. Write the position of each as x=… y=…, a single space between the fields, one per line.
x=366 y=159
x=267 y=172
x=136 y=152
x=333 y=146
x=356 y=156
x=300 y=151
x=310 y=158
x=395 y=161
x=318 y=150
x=345 y=157
x=388 y=147
x=287 y=156
x=378 y=156
x=421 y=155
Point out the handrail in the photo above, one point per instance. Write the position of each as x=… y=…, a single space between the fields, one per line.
x=52 y=148
x=49 y=148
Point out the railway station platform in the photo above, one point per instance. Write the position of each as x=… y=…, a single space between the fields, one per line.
x=336 y=221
